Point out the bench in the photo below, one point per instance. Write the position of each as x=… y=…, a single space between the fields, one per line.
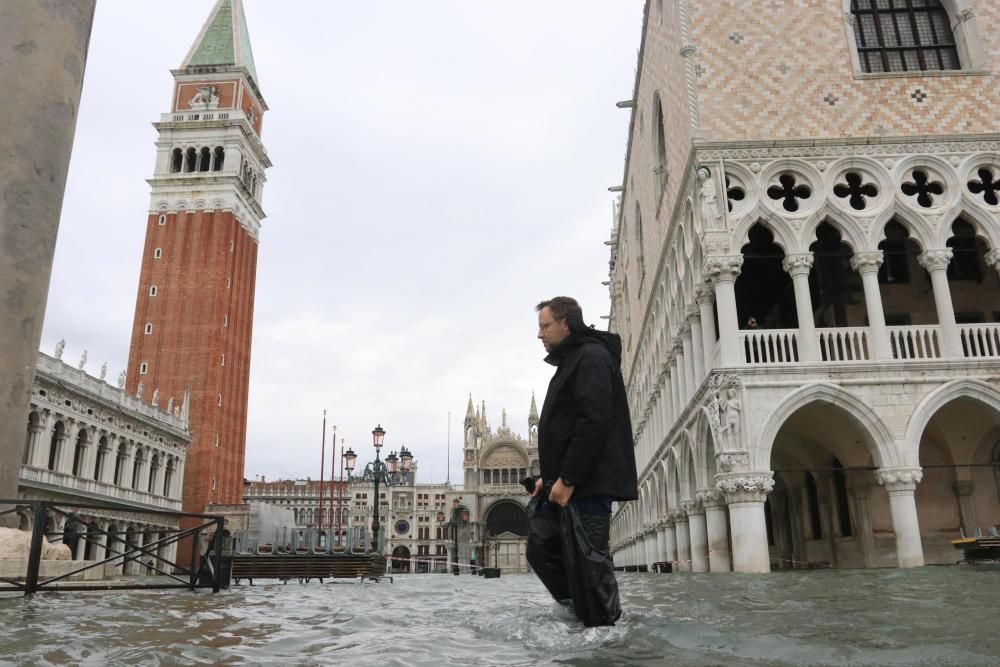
x=306 y=567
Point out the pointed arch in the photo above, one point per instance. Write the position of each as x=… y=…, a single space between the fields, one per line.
x=925 y=410
x=880 y=438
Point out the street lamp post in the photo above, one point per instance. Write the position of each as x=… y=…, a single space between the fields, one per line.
x=391 y=472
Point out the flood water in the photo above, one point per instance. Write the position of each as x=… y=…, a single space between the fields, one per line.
x=927 y=616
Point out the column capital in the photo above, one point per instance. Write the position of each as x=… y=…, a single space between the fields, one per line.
x=899 y=479
x=684 y=330
x=867 y=262
x=993 y=258
x=964 y=487
x=692 y=506
x=711 y=498
x=745 y=487
x=799 y=264
x=703 y=294
x=693 y=313
x=935 y=259
x=679 y=516
x=722 y=268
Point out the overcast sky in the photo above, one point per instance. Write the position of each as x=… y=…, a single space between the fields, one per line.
x=439 y=167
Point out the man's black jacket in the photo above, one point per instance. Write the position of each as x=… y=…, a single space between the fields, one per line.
x=585 y=433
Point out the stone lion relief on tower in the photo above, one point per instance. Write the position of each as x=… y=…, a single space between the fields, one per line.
x=207 y=96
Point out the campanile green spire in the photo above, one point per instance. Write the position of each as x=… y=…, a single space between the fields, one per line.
x=224 y=40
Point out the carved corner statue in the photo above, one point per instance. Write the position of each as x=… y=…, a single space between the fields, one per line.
x=60 y=346
x=711 y=218
x=170 y=405
x=104 y=371
x=156 y=397
x=138 y=390
x=83 y=360
x=121 y=379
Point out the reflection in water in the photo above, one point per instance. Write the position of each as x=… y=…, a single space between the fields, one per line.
x=928 y=616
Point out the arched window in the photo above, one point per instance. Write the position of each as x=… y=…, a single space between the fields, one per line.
x=205 y=160
x=903 y=36
x=191 y=157
x=640 y=255
x=220 y=158
x=659 y=145
x=176 y=160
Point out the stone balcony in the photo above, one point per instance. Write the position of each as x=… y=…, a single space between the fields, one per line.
x=906 y=343
x=92 y=490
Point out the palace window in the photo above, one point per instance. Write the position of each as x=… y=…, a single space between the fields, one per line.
x=903 y=36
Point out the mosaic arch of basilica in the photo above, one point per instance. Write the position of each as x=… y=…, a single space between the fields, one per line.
x=804 y=271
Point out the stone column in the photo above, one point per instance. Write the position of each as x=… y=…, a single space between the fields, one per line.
x=681 y=374
x=993 y=259
x=966 y=508
x=675 y=399
x=101 y=548
x=799 y=266
x=689 y=378
x=90 y=456
x=43 y=50
x=860 y=491
x=745 y=493
x=36 y=457
x=178 y=482
x=110 y=459
x=936 y=263
x=717 y=529
x=867 y=264
x=661 y=541
x=670 y=540
x=697 y=340
x=699 y=535
x=721 y=272
x=704 y=297
x=683 y=539
x=824 y=492
x=67 y=447
x=128 y=465
x=901 y=483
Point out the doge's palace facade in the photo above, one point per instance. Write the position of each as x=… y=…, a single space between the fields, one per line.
x=804 y=272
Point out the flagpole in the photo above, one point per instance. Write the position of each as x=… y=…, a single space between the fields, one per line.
x=333 y=467
x=340 y=492
x=322 y=465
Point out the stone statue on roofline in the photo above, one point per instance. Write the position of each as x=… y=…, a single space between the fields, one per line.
x=60 y=346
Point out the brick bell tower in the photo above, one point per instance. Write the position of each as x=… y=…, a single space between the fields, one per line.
x=194 y=310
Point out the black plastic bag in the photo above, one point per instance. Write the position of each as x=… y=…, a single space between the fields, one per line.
x=570 y=566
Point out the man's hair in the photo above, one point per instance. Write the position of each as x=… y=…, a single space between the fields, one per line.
x=564 y=308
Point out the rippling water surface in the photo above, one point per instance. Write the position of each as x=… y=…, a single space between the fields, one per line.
x=927 y=616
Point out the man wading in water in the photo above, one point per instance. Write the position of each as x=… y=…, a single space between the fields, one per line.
x=587 y=462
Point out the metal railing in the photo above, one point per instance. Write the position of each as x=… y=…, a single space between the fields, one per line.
x=205 y=569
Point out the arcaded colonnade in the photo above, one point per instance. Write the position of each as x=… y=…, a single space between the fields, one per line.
x=815 y=380
x=87 y=442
